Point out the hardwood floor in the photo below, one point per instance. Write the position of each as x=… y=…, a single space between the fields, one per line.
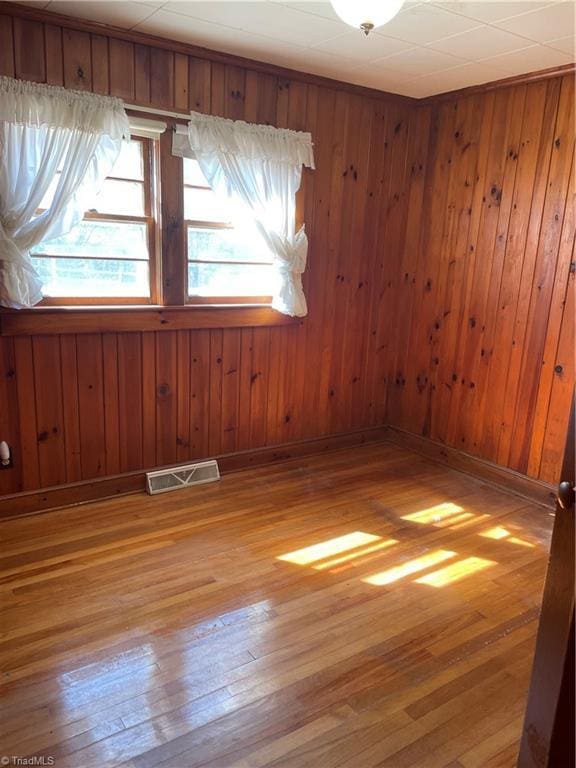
x=361 y=608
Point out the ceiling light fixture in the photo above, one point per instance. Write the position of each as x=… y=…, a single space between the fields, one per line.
x=366 y=14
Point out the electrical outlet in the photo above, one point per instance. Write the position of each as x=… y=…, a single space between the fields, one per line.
x=5 y=455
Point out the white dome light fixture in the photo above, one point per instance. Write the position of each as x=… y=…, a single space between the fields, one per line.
x=366 y=14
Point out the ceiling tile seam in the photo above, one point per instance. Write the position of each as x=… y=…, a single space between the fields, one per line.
x=534 y=44
x=314 y=46
x=521 y=38
x=146 y=18
x=442 y=72
x=487 y=60
x=493 y=25
x=297 y=48
x=519 y=50
x=506 y=18
x=478 y=25
x=256 y=34
x=358 y=66
x=415 y=46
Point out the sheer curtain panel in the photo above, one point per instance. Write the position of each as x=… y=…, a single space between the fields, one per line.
x=56 y=148
x=256 y=171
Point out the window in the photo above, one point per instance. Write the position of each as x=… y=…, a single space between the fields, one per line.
x=226 y=262
x=108 y=257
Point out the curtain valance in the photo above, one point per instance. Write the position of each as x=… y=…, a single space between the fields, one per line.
x=249 y=140
x=36 y=104
x=56 y=148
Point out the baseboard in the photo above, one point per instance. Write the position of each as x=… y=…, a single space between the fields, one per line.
x=32 y=502
x=502 y=477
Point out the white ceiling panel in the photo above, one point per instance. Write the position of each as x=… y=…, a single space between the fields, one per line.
x=480 y=43
x=118 y=14
x=472 y=73
x=491 y=11
x=322 y=9
x=543 y=24
x=385 y=79
x=320 y=64
x=565 y=44
x=516 y=63
x=269 y=19
x=425 y=23
x=418 y=60
x=362 y=48
x=430 y=47
x=221 y=38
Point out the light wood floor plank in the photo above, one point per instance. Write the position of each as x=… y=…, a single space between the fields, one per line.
x=356 y=609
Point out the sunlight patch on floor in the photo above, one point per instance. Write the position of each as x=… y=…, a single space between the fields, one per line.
x=358 y=548
x=412 y=566
x=329 y=548
x=496 y=533
x=353 y=555
x=499 y=533
x=434 y=514
x=455 y=572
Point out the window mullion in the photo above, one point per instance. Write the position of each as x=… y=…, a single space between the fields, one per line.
x=173 y=253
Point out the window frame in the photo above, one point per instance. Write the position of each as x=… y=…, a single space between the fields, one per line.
x=168 y=307
x=150 y=219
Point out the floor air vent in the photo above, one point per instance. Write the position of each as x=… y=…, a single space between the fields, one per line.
x=181 y=477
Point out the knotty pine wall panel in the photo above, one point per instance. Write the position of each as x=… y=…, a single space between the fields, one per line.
x=484 y=290
x=440 y=244
x=87 y=405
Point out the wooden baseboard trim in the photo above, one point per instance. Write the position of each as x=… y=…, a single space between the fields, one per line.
x=494 y=474
x=33 y=502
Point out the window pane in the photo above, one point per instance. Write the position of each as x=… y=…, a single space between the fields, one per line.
x=230 y=280
x=225 y=245
x=125 y=198
x=193 y=175
x=92 y=277
x=202 y=205
x=49 y=196
x=110 y=239
x=130 y=163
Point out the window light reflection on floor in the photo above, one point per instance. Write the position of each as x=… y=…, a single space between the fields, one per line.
x=522 y=542
x=472 y=519
x=406 y=569
x=434 y=514
x=329 y=548
x=358 y=548
x=455 y=572
x=454 y=520
x=498 y=533
x=356 y=553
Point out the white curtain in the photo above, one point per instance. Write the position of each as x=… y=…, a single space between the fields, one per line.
x=56 y=146
x=257 y=168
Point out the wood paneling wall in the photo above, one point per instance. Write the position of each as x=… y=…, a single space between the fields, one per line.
x=76 y=407
x=440 y=244
x=484 y=337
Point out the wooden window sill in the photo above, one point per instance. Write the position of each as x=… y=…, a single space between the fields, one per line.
x=99 y=319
